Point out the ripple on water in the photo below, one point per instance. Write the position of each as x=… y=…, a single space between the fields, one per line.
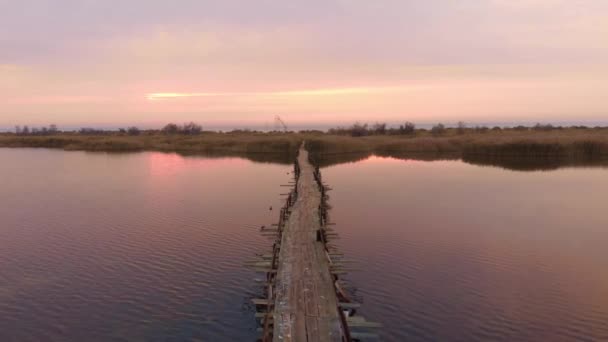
x=154 y=264
x=90 y=254
x=452 y=271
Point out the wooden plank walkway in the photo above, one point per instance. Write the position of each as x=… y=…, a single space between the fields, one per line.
x=306 y=304
x=304 y=297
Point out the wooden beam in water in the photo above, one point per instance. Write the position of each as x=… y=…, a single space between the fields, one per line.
x=364 y=336
x=263 y=319
x=345 y=305
x=267 y=255
x=260 y=301
x=257 y=264
x=340 y=261
x=264 y=270
x=270 y=230
x=363 y=324
x=270 y=235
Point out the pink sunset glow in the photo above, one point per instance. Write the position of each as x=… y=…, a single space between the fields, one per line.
x=313 y=62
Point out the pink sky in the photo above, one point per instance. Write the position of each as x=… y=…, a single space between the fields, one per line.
x=312 y=62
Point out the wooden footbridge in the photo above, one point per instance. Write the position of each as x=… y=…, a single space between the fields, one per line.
x=304 y=299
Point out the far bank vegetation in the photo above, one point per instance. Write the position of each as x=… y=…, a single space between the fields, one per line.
x=459 y=139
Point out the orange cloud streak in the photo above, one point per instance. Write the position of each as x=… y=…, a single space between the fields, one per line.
x=309 y=92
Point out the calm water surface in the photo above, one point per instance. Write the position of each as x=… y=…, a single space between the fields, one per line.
x=455 y=252
x=131 y=247
x=150 y=247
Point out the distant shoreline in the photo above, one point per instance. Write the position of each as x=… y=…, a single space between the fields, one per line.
x=587 y=142
x=568 y=142
x=519 y=150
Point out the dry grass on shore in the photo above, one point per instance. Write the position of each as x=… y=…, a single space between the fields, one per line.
x=556 y=143
x=204 y=143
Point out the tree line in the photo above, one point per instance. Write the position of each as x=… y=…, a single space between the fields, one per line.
x=185 y=129
x=408 y=128
x=190 y=128
x=26 y=130
x=358 y=129
x=363 y=129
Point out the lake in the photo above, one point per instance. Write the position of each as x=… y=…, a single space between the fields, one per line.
x=151 y=246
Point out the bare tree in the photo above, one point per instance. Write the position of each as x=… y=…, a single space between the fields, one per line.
x=481 y=129
x=192 y=129
x=359 y=130
x=407 y=129
x=133 y=131
x=379 y=128
x=438 y=129
x=461 y=127
x=171 y=128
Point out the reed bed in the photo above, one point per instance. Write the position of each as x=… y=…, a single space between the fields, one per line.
x=588 y=143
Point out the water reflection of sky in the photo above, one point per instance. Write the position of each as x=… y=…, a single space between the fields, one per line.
x=452 y=251
x=144 y=246
x=172 y=164
x=151 y=246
